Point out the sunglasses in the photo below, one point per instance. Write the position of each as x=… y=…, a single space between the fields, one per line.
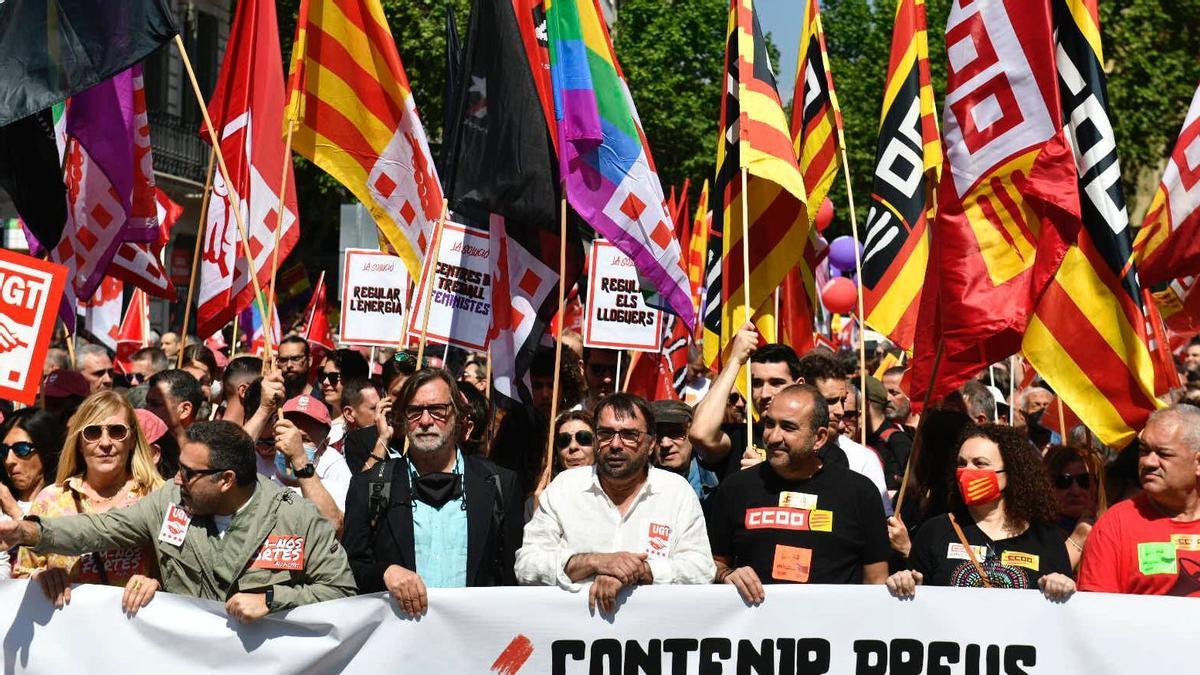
x=440 y=412
x=582 y=437
x=332 y=378
x=850 y=415
x=188 y=475
x=628 y=436
x=406 y=359
x=1063 y=480
x=116 y=432
x=21 y=449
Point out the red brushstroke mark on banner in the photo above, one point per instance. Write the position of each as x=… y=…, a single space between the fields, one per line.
x=514 y=656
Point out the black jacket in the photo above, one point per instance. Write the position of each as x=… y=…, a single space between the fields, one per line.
x=359 y=444
x=492 y=538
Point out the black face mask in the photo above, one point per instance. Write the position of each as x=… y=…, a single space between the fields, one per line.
x=437 y=488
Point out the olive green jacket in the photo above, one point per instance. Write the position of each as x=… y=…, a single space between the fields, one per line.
x=207 y=566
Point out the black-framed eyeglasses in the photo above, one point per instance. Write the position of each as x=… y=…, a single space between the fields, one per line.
x=188 y=475
x=285 y=360
x=1063 y=480
x=21 y=449
x=850 y=415
x=582 y=437
x=438 y=411
x=116 y=432
x=332 y=377
x=627 y=436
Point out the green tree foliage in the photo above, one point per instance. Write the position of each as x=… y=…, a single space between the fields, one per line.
x=672 y=53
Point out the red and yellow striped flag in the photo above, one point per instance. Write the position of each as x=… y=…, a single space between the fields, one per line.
x=908 y=164
x=354 y=117
x=816 y=118
x=1088 y=335
x=698 y=248
x=754 y=137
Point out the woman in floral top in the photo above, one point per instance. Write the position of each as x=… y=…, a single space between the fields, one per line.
x=106 y=463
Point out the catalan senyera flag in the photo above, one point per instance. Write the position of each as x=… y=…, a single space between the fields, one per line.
x=698 y=248
x=754 y=138
x=816 y=118
x=1179 y=305
x=1168 y=245
x=1008 y=199
x=1088 y=336
x=908 y=163
x=355 y=118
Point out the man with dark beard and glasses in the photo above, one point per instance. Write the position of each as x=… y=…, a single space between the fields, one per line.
x=220 y=532
x=619 y=522
x=434 y=517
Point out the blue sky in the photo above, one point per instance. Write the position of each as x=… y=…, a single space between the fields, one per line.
x=783 y=19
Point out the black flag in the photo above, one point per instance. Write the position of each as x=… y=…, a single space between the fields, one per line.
x=31 y=173
x=52 y=49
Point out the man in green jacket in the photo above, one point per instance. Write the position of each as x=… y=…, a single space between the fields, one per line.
x=221 y=532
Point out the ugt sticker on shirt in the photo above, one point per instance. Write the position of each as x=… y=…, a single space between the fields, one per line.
x=658 y=541
x=280 y=552
x=175 y=525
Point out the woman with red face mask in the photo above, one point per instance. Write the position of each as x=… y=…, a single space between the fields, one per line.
x=1000 y=532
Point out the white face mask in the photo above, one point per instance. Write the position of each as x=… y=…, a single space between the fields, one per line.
x=215 y=388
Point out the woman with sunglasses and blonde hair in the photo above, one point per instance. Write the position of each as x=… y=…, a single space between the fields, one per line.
x=106 y=463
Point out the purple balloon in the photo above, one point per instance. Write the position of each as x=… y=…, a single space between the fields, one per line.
x=841 y=252
x=835 y=271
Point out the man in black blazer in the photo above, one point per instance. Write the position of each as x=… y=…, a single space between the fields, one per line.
x=434 y=518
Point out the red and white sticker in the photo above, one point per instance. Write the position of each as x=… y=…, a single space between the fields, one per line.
x=280 y=552
x=175 y=525
x=658 y=541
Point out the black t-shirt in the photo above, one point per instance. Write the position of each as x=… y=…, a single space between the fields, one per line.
x=819 y=531
x=831 y=454
x=1016 y=562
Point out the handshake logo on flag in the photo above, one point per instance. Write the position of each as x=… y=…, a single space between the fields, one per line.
x=30 y=291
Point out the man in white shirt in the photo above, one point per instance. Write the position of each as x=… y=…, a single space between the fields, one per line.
x=309 y=464
x=620 y=522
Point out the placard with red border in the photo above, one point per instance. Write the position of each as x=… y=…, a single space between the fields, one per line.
x=30 y=293
x=617 y=316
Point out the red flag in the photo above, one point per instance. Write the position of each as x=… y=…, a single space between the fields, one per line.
x=1009 y=201
x=316 y=321
x=247 y=111
x=795 y=313
x=658 y=376
x=168 y=213
x=134 y=331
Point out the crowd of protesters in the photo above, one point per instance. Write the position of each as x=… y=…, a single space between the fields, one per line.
x=313 y=476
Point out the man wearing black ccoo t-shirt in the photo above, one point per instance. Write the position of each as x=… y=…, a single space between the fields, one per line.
x=792 y=519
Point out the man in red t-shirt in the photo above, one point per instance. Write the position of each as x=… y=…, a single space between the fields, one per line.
x=1150 y=545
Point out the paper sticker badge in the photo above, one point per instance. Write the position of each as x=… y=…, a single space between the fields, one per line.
x=30 y=292
x=175 y=525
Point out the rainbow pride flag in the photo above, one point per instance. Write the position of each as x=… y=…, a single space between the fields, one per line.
x=604 y=158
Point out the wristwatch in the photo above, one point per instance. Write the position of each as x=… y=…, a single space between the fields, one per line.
x=307 y=472
x=269 y=600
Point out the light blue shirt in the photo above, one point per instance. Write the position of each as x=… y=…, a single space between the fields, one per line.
x=440 y=539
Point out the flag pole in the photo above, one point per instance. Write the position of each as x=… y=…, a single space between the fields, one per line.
x=862 y=318
x=233 y=339
x=234 y=201
x=617 y=381
x=548 y=463
x=428 y=294
x=746 y=300
x=145 y=319
x=1012 y=388
x=200 y=227
x=916 y=447
x=71 y=344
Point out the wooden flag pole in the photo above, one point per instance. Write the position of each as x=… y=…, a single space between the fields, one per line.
x=746 y=299
x=617 y=381
x=145 y=319
x=1062 y=419
x=428 y=294
x=70 y=344
x=916 y=447
x=200 y=227
x=862 y=316
x=234 y=201
x=233 y=339
x=548 y=463
x=287 y=158
x=1012 y=388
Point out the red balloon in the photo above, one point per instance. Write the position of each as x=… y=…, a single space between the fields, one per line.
x=824 y=215
x=840 y=295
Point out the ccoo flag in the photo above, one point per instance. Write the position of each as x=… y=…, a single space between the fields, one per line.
x=908 y=164
x=754 y=138
x=356 y=119
x=1008 y=203
x=604 y=159
x=1088 y=336
x=247 y=110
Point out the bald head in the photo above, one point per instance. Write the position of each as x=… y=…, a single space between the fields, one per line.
x=1180 y=422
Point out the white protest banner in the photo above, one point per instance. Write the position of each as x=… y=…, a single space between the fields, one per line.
x=656 y=629
x=461 y=301
x=30 y=292
x=374 y=287
x=617 y=315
